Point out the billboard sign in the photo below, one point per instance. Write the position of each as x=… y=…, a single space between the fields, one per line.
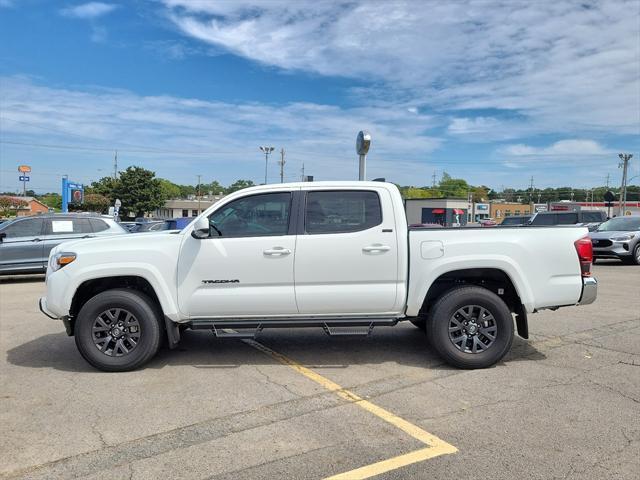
x=24 y=169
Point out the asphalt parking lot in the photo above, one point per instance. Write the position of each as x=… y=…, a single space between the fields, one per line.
x=299 y=404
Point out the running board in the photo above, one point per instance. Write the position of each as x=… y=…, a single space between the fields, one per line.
x=334 y=326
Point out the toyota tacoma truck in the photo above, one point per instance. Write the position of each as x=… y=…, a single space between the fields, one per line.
x=335 y=255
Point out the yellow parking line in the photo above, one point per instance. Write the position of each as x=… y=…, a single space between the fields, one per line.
x=436 y=446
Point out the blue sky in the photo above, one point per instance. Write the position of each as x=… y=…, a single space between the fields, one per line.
x=494 y=92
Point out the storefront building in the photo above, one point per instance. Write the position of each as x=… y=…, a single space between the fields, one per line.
x=448 y=212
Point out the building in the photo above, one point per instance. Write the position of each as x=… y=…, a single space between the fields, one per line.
x=447 y=212
x=481 y=211
x=500 y=210
x=34 y=206
x=185 y=207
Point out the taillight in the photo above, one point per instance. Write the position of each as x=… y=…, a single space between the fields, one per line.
x=584 y=248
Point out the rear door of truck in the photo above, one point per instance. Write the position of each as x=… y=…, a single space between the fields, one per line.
x=347 y=252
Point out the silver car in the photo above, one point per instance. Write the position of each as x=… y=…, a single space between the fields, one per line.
x=618 y=238
x=25 y=242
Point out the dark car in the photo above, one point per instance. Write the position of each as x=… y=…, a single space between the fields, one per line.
x=618 y=238
x=25 y=242
x=515 y=221
x=587 y=218
x=148 y=226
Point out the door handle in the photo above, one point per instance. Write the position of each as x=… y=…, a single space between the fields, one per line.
x=376 y=248
x=36 y=240
x=88 y=236
x=277 y=252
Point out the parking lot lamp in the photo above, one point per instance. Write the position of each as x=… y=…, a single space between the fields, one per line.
x=266 y=151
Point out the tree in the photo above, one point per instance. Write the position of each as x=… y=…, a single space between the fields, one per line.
x=94 y=202
x=51 y=200
x=139 y=191
x=105 y=186
x=169 y=189
x=11 y=203
x=239 y=185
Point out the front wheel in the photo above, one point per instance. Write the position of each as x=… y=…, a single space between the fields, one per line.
x=470 y=327
x=118 y=330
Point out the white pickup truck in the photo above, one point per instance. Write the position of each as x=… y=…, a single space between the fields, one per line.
x=336 y=255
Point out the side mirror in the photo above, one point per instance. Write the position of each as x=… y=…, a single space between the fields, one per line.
x=201 y=228
x=2 y=237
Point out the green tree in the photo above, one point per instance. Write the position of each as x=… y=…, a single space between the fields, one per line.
x=139 y=191
x=169 y=189
x=94 y=202
x=51 y=200
x=105 y=186
x=239 y=185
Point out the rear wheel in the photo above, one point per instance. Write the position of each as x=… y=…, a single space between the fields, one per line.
x=470 y=327
x=118 y=330
x=635 y=258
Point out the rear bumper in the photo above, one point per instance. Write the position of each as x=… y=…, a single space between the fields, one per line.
x=589 y=291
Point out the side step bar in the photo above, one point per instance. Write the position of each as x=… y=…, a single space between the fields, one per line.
x=337 y=326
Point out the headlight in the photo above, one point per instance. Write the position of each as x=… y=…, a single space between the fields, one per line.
x=59 y=260
x=623 y=238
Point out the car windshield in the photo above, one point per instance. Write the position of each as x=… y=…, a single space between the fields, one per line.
x=620 y=224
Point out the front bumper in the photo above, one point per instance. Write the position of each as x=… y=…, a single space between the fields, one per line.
x=42 y=303
x=616 y=250
x=589 y=291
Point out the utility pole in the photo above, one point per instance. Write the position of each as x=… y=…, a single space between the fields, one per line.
x=624 y=164
x=198 y=193
x=608 y=181
x=115 y=166
x=302 y=174
x=281 y=163
x=433 y=179
x=531 y=195
x=266 y=151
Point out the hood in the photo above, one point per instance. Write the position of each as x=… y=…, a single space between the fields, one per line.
x=613 y=233
x=119 y=243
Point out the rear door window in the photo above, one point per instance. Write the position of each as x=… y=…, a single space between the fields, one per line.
x=592 y=217
x=342 y=211
x=567 y=218
x=68 y=226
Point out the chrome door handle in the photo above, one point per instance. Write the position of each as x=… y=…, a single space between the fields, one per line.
x=376 y=248
x=277 y=252
x=36 y=240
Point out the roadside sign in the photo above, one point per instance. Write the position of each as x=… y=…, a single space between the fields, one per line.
x=23 y=178
x=609 y=196
x=24 y=169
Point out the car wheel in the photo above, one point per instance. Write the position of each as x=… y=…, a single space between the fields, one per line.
x=636 y=255
x=118 y=330
x=470 y=327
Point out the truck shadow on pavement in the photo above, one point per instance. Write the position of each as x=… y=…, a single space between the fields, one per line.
x=403 y=345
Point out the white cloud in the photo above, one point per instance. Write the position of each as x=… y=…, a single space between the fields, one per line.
x=570 y=147
x=563 y=66
x=89 y=10
x=188 y=136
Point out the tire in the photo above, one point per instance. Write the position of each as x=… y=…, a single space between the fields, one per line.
x=468 y=304
x=118 y=330
x=420 y=322
x=635 y=257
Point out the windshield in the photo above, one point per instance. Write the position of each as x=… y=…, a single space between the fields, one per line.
x=620 y=224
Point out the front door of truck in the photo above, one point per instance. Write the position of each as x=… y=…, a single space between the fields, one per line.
x=245 y=267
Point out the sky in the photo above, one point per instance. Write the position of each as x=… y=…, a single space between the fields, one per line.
x=496 y=92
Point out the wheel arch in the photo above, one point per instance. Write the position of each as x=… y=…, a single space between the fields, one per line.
x=90 y=288
x=495 y=280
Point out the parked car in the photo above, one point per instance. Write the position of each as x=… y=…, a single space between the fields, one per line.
x=618 y=238
x=515 y=221
x=489 y=222
x=148 y=226
x=586 y=218
x=323 y=254
x=25 y=242
x=127 y=225
x=178 y=223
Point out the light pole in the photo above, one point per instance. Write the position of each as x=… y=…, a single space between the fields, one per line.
x=363 y=142
x=266 y=151
x=624 y=164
